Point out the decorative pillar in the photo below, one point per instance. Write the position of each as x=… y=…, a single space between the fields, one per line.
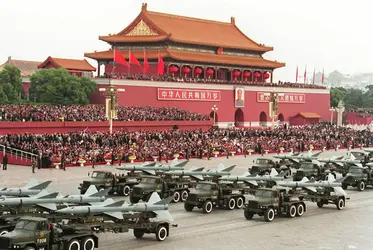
x=271 y=76
x=262 y=76
x=231 y=75
x=98 y=68
x=216 y=73
x=340 y=109
x=204 y=72
x=180 y=70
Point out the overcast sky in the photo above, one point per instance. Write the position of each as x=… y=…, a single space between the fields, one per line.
x=330 y=34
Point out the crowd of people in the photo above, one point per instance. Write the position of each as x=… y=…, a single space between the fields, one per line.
x=96 y=146
x=362 y=112
x=88 y=113
x=143 y=77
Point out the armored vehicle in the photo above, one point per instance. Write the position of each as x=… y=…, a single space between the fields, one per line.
x=358 y=177
x=121 y=184
x=310 y=170
x=165 y=186
x=210 y=194
x=269 y=202
x=263 y=166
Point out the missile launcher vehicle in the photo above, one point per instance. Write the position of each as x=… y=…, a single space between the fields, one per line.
x=312 y=171
x=358 y=177
x=271 y=202
x=263 y=166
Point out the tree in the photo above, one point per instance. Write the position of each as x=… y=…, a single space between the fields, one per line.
x=336 y=94
x=57 y=86
x=10 y=84
x=354 y=98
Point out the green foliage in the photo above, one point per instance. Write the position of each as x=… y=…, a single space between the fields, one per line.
x=10 y=85
x=353 y=98
x=57 y=86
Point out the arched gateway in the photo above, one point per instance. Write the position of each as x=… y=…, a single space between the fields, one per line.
x=239 y=118
x=281 y=118
x=263 y=119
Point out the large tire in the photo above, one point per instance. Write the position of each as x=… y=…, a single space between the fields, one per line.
x=188 y=207
x=88 y=243
x=138 y=233
x=269 y=214
x=340 y=204
x=231 y=203
x=176 y=197
x=29 y=248
x=320 y=204
x=126 y=190
x=361 y=186
x=184 y=195
x=207 y=207
x=161 y=233
x=292 y=211
x=239 y=202
x=134 y=200
x=248 y=215
x=73 y=245
x=300 y=209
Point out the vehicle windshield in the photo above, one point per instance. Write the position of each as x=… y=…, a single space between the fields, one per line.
x=98 y=175
x=148 y=180
x=264 y=193
x=262 y=161
x=204 y=187
x=306 y=165
x=356 y=171
x=26 y=225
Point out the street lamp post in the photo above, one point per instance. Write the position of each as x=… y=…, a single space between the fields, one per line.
x=111 y=103
x=332 y=110
x=214 y=109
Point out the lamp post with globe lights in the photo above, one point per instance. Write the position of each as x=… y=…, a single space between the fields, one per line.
x=111 y=103
x=214 y=109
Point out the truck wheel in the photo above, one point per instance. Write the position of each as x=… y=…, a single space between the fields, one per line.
x=101 y=189
x=361 y=186
x=269 y=214
x=138 y=233
x=184 y=195
x=88 y=244
x=29 y=248
x=344 y=186
x=231 y=203
x=176 y=198
x=207 y=207
x=239 y=203
x=340 y=204
x=2 y=232
x=188 y=207
x=161 y=233
x=73 y=245
x=300 y=210
x=248 y=215
x=292 y=211
x=320 y=204
x=266 y=173
x=134 y=200
x=287 y=174
x=126 y=190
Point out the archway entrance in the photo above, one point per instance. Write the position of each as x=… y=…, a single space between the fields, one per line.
x=239 y=118
x=263 y=119
x=212 y=116
x=281 y=118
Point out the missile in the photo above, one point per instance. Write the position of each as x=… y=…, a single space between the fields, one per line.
x=252 y=179
x=49 y=200
x=145 y=164
x=199 y=174
x=193 y=172
x=152 y=169
x=115 y=209
x=31 y=188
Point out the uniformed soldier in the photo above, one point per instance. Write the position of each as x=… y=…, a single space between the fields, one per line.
x=33 y=164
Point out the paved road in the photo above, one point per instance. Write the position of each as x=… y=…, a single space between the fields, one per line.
x=325 y=228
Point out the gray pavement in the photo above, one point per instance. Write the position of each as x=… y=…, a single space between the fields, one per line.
x=325 y=228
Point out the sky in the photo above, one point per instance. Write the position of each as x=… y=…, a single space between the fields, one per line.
x=322 y=34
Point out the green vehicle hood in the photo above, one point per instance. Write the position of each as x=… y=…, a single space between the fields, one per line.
x=145 y=187
x=262 y=200
x=18 y=236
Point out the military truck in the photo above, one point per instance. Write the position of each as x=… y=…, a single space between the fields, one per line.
x=327 y=195
x=165 y=186
x=312 y=171
x=358 y=177
x=121 y=184
x=269 y=202
x=212 y=194
x=263 y=166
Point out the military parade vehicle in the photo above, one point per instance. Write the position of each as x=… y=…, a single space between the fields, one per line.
x=164 y=185
x=263 y=166
x=120 y=184
x=358 y=177
x=269 y=202
x=209 y=194
x=312 y=171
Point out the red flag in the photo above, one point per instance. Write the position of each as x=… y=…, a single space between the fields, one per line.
x=305 y=75
x=322 y=77
x=160 y=65
x=118 y=58
x=313 y=77
x=146 y=63
x=296 y=75
x=133 y=59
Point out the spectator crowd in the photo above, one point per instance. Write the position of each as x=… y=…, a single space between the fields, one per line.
x=143 y=77
x=362 y=112
x=23 y=113
x=164 y=144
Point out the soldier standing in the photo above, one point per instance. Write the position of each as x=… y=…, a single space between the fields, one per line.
x=93 y=160
x=5 y=162
x=33 y=164
x=63 y=163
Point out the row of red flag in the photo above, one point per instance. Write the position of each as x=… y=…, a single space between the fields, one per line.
x=305 y=76
x=119 y=58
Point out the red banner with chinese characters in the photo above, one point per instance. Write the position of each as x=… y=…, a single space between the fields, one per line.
x=189 y=95
x=282 y=97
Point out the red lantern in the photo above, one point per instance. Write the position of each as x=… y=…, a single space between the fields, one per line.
x=173 y=69
x=266 y=76
x=198 y=71
x=210 y=72
x=257 y=74
x=246 y=73
x=186 y=70
x=236 y=73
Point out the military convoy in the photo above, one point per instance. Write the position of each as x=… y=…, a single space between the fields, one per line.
x=263 y=166
x=358 y=177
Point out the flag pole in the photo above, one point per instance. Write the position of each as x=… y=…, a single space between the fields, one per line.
x=129 y=62
x=143 y=70
x=112 y=70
